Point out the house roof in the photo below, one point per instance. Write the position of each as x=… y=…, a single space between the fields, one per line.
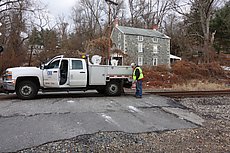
x=142 y=32
x=174 y=57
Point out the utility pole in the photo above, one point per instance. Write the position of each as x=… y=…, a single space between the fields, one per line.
x=1 y=50
x=109 y=2
x=1 y=62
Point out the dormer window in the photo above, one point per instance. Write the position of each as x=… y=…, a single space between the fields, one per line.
x=154 y=39
x=140 y=38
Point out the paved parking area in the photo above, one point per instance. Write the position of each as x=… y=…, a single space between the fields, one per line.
x=53 y=117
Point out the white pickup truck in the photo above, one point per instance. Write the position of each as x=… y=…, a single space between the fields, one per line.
x=67 y=74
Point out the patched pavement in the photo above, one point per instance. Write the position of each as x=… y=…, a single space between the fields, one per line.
x=53 y=117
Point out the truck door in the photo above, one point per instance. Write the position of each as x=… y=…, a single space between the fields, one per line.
x=78 y=73
x=51 y=74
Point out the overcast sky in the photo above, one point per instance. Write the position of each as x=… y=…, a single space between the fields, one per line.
x=59 y=7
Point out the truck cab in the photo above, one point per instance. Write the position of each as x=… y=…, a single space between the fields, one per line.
x=65 y=73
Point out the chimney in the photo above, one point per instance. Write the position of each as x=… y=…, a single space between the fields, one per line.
x=146 y=27
x=116 y=22
x=155 y=27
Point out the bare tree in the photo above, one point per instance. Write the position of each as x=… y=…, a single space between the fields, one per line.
x=14 y=30
x=149 y=12
x=88 y=15
x=205 y=11
x=117 y=10
x=136 y=8
x=62 y=28
x=155 y=11
x=15 y=16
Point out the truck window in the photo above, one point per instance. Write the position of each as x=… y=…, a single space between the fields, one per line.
x=77 y=65
x=54 y=65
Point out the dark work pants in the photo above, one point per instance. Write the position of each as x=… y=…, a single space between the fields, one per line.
x=139 y=88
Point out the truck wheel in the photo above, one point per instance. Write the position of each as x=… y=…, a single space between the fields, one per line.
x=113 y=88
x=26 y=90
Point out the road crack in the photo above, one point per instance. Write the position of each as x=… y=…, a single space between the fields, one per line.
x=31 y=115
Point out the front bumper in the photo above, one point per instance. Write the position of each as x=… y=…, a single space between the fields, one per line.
x=8 y=86
x=1 y=86
x=1 y=83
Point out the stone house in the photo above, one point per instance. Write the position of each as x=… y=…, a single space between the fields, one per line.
x=142 y=46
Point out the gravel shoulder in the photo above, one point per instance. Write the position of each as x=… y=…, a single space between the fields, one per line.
x=213 y=136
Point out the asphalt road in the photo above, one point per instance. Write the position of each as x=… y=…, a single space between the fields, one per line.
x=53 y=117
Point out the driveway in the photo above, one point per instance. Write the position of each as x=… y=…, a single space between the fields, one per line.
x=52 y=117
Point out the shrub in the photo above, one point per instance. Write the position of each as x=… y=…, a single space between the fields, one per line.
x=181 y=73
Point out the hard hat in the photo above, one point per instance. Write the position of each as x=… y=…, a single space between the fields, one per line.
x=133 y=64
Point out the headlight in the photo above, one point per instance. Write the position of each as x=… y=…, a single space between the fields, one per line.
x=8 y=75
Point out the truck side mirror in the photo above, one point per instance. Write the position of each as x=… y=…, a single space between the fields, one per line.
x=42 y=66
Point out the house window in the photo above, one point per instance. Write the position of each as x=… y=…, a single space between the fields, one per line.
x=125 y=51
x=140 y=60
x=168 y=48
x=140 y=38
x=119 y=46
x=154 y=39
x=155 y=49
x=119 y=36
x=140 y=47
x=155 y=61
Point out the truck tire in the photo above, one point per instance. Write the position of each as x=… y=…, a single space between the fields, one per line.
x=113 y=88
x=26 y=90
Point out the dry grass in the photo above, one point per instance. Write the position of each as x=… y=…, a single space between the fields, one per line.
x=186 y=75
x=196 y=85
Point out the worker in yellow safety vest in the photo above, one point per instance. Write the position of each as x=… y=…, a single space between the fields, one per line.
x=137 y=78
